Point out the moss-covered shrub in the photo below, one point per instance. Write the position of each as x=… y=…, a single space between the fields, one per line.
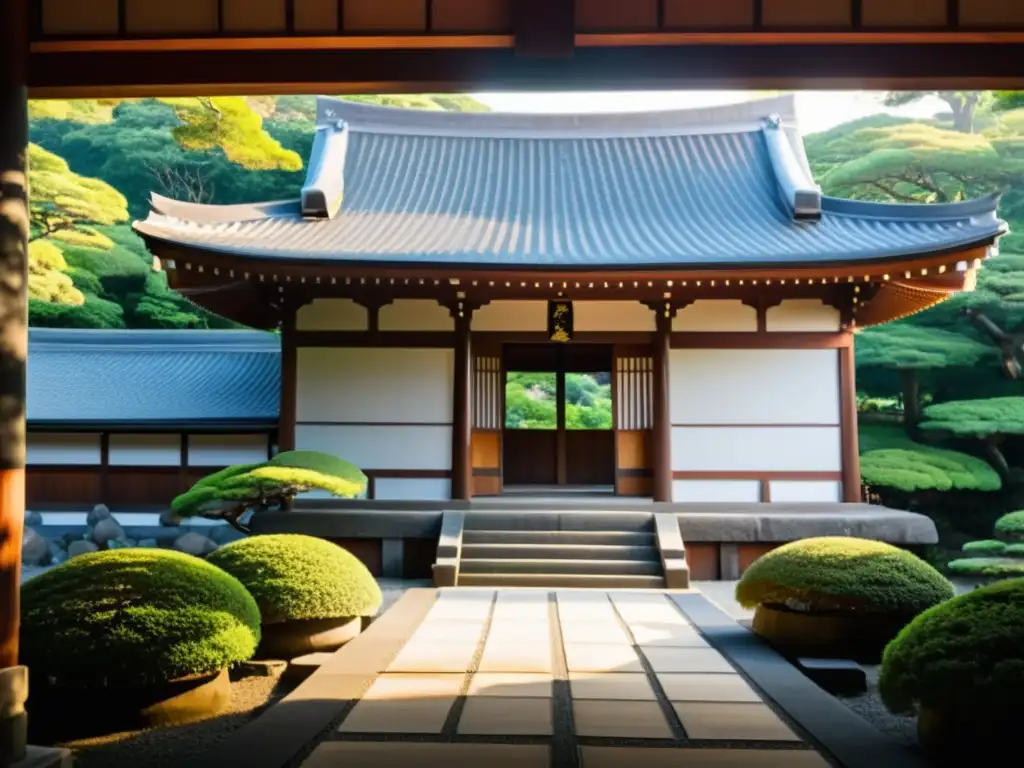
x=297 y=577
x=1014 y=550
x=135 y=616
x=988 y=567
x=1011 y=526
x=838 y=573
x=985 y=547
x=966 y=654
x=927 y=469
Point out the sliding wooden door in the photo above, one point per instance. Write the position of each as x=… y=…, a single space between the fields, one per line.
x=633 y=415
x=488 y=401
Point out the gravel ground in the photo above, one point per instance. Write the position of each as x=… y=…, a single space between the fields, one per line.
x=869 y=706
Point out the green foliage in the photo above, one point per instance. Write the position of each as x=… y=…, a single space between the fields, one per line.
x=1014 y=550
x=963 y=654
x=989 y=547
x=119 y=270
x=234 y=490
x=923 y=468
x=976 y=418
x=95 y=313
x=530 y=401
x=135 y=616
x=1011 y=526
x=48 y=279
x=987 y=567
x=300 y=577
x=903 y=346
x=837 y=573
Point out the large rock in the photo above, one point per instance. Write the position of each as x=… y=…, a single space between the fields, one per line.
x=81 y=547
x=57 y=553
x=99 y=512
x=149 y=543
x=169 y=520
x=106 y=530
x=193 y=543
x=32 y=518
x=224 y=534
x=35 y=550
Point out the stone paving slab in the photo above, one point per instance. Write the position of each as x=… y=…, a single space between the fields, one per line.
x=494 y=716
x=731 y=721
x=356 y=754
x=697 y=686
x=580 y=657
x=686 y=660
x=667 y=635
x=643 y=757
x=517 y=685
x=398 y=716
x=611 y=686
x=620 y=719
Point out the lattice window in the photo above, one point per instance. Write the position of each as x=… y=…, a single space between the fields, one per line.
x=488 y=389
x=634 y=393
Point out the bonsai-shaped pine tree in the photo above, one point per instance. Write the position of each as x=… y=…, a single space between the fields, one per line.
x=909 y=350
x=1000 y=557
x=233 y=492
x=989 y=420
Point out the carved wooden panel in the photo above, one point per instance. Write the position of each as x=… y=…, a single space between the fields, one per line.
x=488 y=395
x=144 y=17
x=316 y=16
x=486 y=459
x=889 y=14
x=80 y=17
x=254 y=16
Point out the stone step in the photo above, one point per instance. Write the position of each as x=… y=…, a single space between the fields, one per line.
x=513 y=519
x=582 y=581
x=579 y=567
x=559 y=551
x=580 y=538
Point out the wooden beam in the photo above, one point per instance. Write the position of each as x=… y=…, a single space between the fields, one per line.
x=14 y=227
x=544 y=29
x=662 y=416
x=462 y=418
x=848 y=425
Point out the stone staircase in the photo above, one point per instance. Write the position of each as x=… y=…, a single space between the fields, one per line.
x=531 y=548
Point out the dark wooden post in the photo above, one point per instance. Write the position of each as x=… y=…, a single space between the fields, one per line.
x=14 y=230
x=462 y=418
x=662 y=426
x=848 y=423
x=289 y=383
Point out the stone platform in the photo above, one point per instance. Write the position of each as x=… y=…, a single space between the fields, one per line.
x=573 y=678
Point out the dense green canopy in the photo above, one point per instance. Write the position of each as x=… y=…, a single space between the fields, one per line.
x=976 y=418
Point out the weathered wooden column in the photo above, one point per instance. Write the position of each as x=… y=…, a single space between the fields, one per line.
x=661 y=431
x=289 y=383
x=850 y=449
x=13 y=353
x=462 y=417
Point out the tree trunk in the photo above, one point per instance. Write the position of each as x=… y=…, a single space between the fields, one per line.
x=996 y=458
x=964 y=107
x=911 y=401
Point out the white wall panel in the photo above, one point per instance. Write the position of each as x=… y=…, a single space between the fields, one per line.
x=225 y=450
x=59 y=448
x=806 y=490
x=380 y=446
x=511 y=316
x=145 y=450
x=415 y=315
x=740 y=491
x=332 y=315
x=756 y=449
x=718 y=315
x=763 y=386
x=612 y=316
x=802 y=315
x=408 y=488
x=361 y=385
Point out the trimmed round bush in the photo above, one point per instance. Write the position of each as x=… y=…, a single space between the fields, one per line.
x=1011 y=526
x=990 y=547
x=965 y=655
x=837 y=573
x=990 y=567
x=128 y=617
x=297 y=577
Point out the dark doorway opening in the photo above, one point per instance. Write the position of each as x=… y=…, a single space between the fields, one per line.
x=558 y=417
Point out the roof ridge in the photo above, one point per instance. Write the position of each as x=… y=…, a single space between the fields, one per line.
x=165 y=340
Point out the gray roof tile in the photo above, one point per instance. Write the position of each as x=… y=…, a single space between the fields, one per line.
x=83 y=378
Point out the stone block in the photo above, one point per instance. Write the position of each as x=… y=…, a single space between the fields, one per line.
x=731 y=721
x=611 y=686
x=511 y=684
x=620 y=719
x=696 y=686
x=840 y=677
x=501 y=716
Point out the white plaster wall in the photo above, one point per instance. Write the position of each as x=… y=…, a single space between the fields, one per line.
x=802 y=315
x=415 y=315
x=145 y=450
x=511 y=316
x=764 y=386
x=739 y=491
x=374 y=385
x=332 y=315
x=806 y=490
x=402 y=489
x=718 y=315
x=379 y=446
x=612 y=316
x=756 y=449
x=225 y=450
x=59 y=448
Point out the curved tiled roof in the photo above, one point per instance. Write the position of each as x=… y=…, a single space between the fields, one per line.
x=83 y=378
x=684 y=189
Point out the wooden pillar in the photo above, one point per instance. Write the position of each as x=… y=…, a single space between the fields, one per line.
x=14 y=230
x=462 y=419
x=848 y=423
x=661 y=429
x=289 y=384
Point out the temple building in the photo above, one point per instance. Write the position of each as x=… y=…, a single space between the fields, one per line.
x=686 y=255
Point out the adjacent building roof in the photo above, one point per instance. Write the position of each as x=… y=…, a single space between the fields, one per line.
x=80 y=379
x=723 y=186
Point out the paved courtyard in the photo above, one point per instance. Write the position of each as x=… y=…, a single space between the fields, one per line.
x=547 y=678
